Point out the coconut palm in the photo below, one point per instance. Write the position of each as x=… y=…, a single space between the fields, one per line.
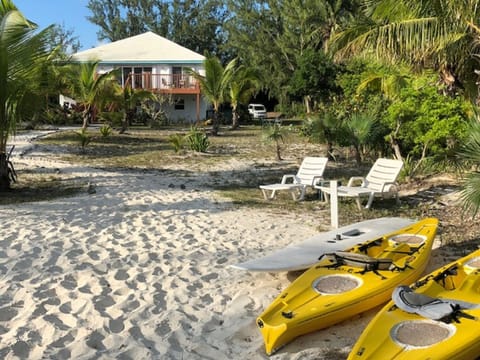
x=243 y=85
x=90 y=89
x=22 y=50
x=434 y=34
x=277 y=134
x=215 y=84
x=127 y=100
x=471 y=154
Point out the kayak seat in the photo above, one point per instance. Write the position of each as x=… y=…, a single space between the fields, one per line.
x=429 y=307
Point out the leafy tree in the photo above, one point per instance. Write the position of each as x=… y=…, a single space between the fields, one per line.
x=273 y=36
x=63 y=41
x=215 y=84
x=314 y=78
x=22 y=51
x=425 y=122
x=195 y=24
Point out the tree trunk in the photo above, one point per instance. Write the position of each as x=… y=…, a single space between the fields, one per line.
x=215 y=124
x=307 y=100
x=396 y=148
x=5 y=177
x=279 y=156
x=235 y=119
x=127 y=120
x=358 y=158
x=86 y=117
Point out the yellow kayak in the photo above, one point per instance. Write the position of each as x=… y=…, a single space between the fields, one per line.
x=343 y=284
x=438 y=317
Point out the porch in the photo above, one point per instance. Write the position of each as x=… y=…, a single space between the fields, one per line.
x=164 y=83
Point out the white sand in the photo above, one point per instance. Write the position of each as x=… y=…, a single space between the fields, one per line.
x=139 y=270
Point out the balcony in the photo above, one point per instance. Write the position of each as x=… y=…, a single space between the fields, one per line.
x=164 y=83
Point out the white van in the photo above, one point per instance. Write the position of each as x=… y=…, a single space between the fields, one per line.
x=257 y=111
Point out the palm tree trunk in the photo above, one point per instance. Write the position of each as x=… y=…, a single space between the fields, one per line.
x=235 y=118
x=215 y=124
x=4 y=179
x=85 y=117
x=358 y=158
x=7 y=173
x=127 y=120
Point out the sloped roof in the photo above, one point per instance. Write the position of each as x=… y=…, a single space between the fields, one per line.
x=145 y=48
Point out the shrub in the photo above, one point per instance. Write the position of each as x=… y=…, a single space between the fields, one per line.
x=198 y=140
x=84 y=138
x=177 y=141
x=105 y=130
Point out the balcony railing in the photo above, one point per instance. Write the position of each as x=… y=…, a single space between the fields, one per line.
x=163 y=82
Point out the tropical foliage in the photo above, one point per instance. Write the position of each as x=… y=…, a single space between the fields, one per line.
x=215 y=85
x=440 y=35
x=243 y=85
x=22 y=53
x=194 y=24
x=91 y=90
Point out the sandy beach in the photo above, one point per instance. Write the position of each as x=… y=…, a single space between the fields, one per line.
x=138 y=268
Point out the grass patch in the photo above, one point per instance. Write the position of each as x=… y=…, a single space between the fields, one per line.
x=40 y=187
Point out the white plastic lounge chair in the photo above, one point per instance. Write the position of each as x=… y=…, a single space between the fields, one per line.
x=380 y=181
x=310 y=174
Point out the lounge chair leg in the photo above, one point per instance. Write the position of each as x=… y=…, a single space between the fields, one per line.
x=268 y=197
x=302 y=195
x=325 y=196
x=294 y=197
x=359 y=203
x=370 y=201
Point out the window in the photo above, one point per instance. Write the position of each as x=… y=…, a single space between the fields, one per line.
x=141 y=78
x=180 y=104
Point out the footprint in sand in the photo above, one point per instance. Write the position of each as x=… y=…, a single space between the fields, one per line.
x=116 y=326
x=7 y=313
x=95 y=341
x=21 y=349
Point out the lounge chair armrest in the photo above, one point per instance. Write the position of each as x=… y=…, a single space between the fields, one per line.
x=354 y=179
x=388 y=183
x=285 y=178
x=316 y=179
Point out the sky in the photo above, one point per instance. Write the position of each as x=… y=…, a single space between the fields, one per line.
x=71 y=13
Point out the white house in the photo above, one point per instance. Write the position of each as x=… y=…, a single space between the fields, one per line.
x=150 y=61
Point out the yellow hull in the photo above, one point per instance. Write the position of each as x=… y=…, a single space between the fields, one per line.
x=334 y=289
x=443 y=340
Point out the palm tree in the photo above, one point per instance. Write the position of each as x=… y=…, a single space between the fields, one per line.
x=22 y=49
x=356 y=132
x=90 y=89
x=276 y=133
x=243 y=85
x=434 y=34
x=127 y=100
x=215 y=84
x=471 y=154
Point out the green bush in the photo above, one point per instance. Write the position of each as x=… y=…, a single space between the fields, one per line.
x=177 y=141
x=427 y=122
x=105 y=130
x=84 y=138
x=198 y=140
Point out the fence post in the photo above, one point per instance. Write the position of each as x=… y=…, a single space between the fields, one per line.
x=334 y=204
